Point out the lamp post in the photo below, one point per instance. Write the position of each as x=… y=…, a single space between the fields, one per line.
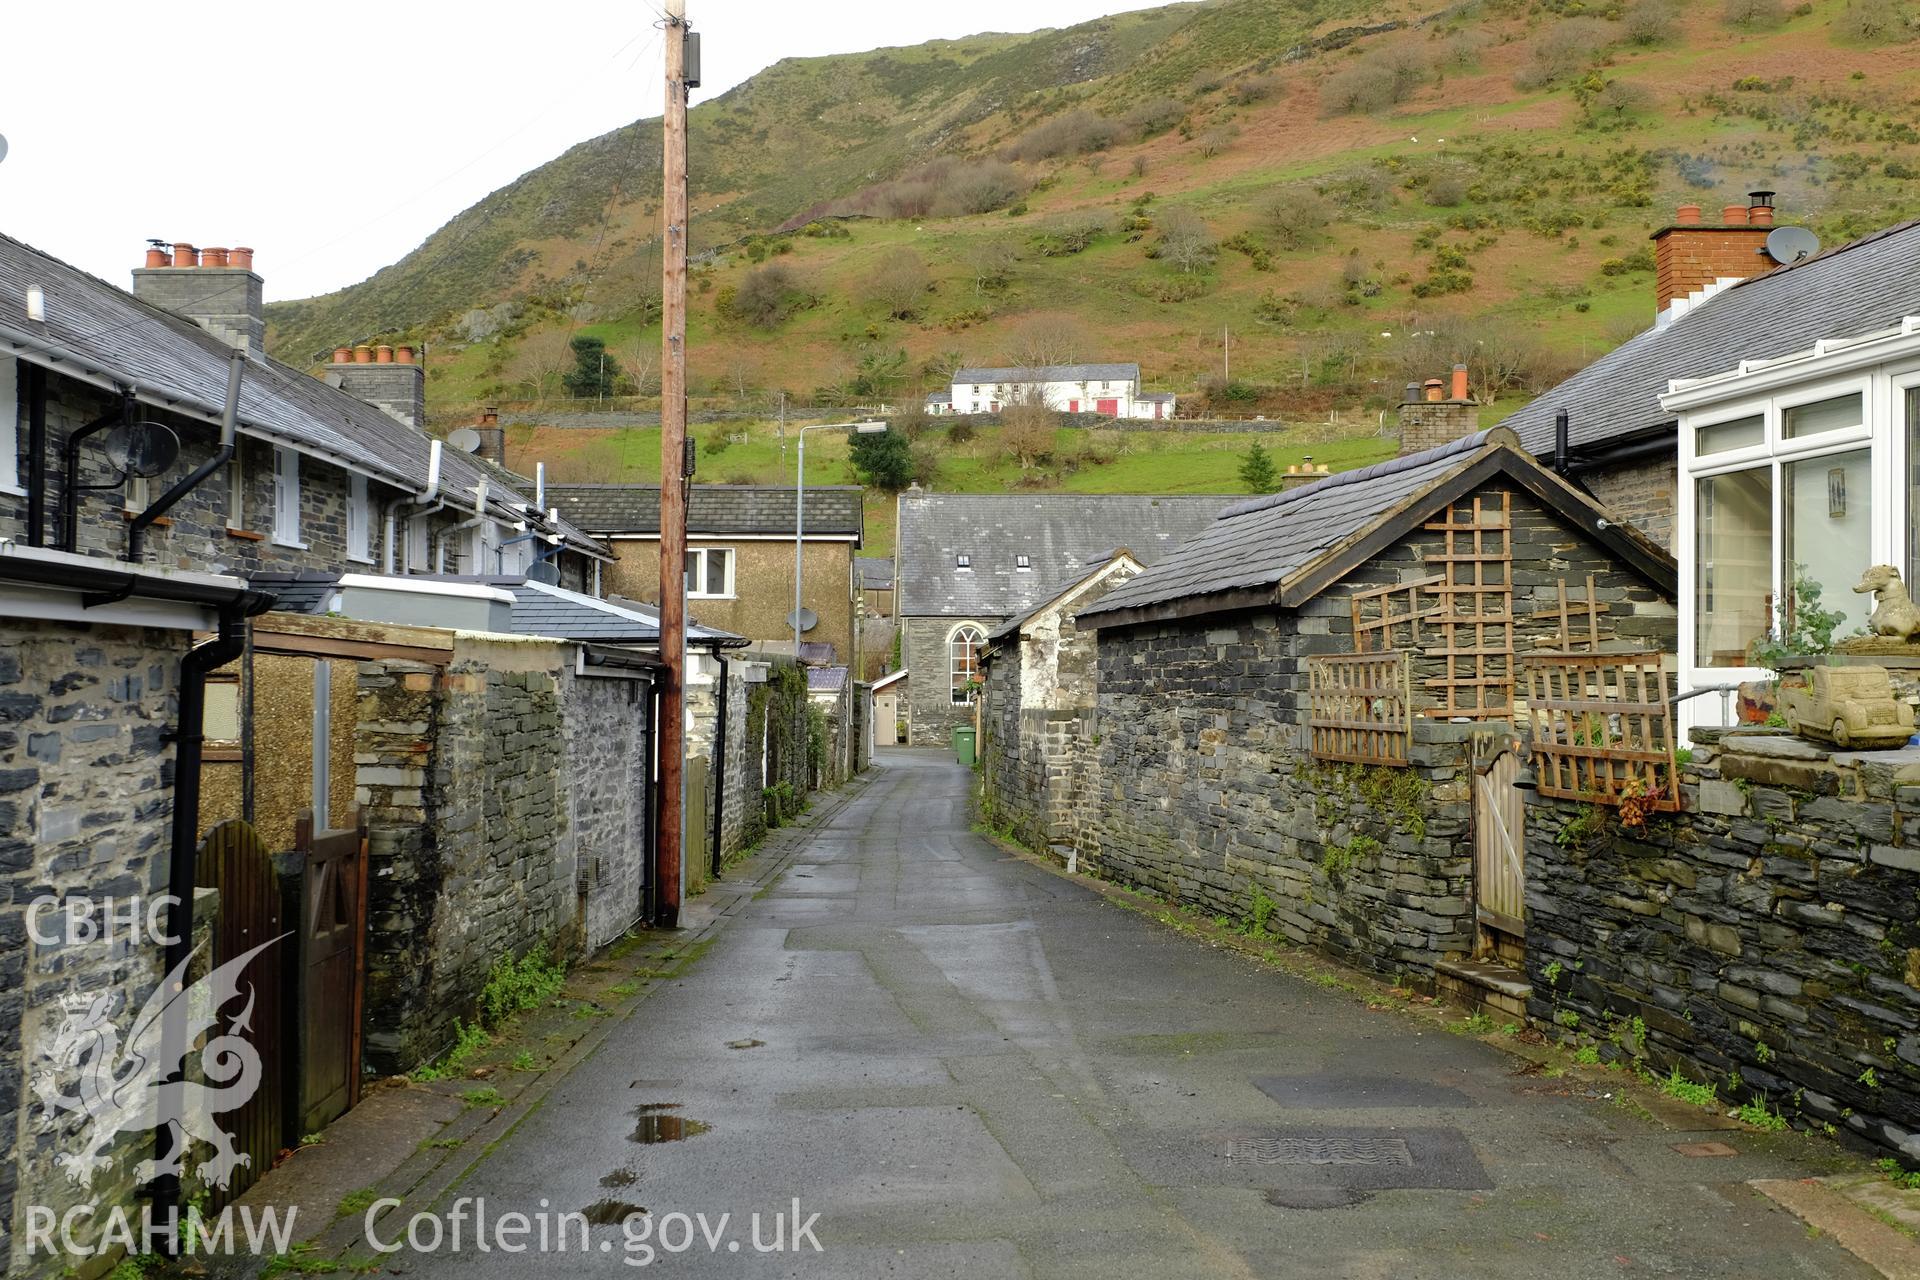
x=867 y=428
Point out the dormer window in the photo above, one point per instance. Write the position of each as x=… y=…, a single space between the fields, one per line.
x=1023 y=563
x=963 y=561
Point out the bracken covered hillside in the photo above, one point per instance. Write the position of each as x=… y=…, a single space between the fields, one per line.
x=1353 y=193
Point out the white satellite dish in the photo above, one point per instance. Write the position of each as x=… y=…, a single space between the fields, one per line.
x=1791 y=244
x=3 y=146
x=808 y=620
x=465 y=439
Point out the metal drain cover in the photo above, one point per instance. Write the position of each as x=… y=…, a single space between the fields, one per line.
x=1370 y=1151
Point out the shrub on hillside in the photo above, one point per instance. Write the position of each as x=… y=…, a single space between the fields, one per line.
x=1244 y=93
x=765 y=297
x=980 y=187
x=1155 y=115
x=1753 y=14
x=1218 y=139
x=1614 y=102
x=883 y=460
x=1377 y=81
x=1873 y=22
x=1067 y=236
x=1296 y=218
x=1186 y=242
x=1563 y=51
x=1445 y=190
x=1072 y=133
x=899 y=283
x=1027 y=430
x=1651 y=22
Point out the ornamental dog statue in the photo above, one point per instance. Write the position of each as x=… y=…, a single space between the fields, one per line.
x=1894 y=613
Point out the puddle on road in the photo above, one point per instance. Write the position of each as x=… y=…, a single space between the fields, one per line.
x=611 y=1213
x=1316 y=1197
x=657 y=1123
x=620 y=1178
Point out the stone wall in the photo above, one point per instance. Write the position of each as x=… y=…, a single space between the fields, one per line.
x=608 y=785
x=86 y=796
x=1767 y=938
x=1645 y=494
x=932 y=714
x=462 y=773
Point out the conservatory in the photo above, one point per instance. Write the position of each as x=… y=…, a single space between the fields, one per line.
x=1798 y=473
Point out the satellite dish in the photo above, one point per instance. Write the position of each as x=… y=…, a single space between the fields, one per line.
x=3 y=146
x=466 y=439
x=543 y=572
x=808 y=620
x=141 y=448
x=1791 y=244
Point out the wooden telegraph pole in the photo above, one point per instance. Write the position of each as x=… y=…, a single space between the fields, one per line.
x=673 y=467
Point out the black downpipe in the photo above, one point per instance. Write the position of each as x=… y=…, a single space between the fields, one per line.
x=36 y=456
x=229 y=416
x=720 y=771
x=1560 y=460
x=70 y=469
x=189 y=738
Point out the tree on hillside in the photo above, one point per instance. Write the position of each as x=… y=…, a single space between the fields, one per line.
x=1651 y=22
x=883 y=460
x=1754 y=13
x=1873 y=22
x=991 y=261
x=594 y=371
x=766 y=296
x=1186 y=241
x=541 y=358
x=1296 y=218
x=899 y=284
x=639 y=357
x=1048 y=339
x=1256 y=471
x=1027 y=428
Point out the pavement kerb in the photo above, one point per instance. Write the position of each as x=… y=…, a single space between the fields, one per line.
x=430 y=1172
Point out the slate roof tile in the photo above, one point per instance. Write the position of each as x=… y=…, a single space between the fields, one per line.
x=717 y=509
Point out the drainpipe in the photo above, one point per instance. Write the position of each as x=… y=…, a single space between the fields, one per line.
x=229 y=416
x=720 y=769
x=1560 y=449
x=479 y=518
x=36 y=456
x=428 y=503
x=189 y=737
x=540 y=485
x=70 y=469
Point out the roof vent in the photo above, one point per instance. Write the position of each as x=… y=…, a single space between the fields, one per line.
x=1023 y=562
x=963 y=561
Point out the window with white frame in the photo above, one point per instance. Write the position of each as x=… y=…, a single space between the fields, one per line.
x=359 y=520
x=12 y=414
x=963 y=661
x=710 y=572
x=237 y=488
x=286 y=498
x=1788 y=482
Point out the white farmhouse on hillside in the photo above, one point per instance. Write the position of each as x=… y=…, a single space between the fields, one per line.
x=1110 y=389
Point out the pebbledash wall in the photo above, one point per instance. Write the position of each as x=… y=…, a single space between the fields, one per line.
x=1767 y=937
x=86 y=797
x=462 y=773
x=1200 y=784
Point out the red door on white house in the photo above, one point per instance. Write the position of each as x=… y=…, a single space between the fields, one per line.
x=1109 y=407
x=1073 y=406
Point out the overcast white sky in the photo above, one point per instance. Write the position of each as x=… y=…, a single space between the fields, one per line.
x=334 y=138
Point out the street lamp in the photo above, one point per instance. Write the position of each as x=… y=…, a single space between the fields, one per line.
x=868 y=428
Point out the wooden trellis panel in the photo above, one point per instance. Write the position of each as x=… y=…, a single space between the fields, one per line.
x=1576 y=622
x=1602 y=728
x=1376 y=627
x=1475 y=615
x=1358 y=707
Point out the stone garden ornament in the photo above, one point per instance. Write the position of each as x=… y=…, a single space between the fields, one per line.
x=1894 y=613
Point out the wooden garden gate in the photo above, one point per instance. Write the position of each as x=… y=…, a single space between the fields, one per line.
x=331 y=872
x=1499 y=854
x=233 y=860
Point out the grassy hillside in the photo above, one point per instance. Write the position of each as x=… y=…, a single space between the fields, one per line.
x=1386 y=188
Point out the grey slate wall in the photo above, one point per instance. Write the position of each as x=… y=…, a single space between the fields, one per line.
x=1645 y=494
x=608 y=792
x=85 y=802
x=932 y=713
x=1767 y=939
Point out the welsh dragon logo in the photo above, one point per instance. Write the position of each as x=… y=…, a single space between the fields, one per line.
x=138 y=1085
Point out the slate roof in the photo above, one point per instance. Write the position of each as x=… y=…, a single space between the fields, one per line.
x=826 y=679
x=1012 y=625
x=1262 y=548
x=1857 y=287
x=832 y=510
x=1063 y=534
x=106 y=335
x=1051 y=373
x=308 y=591
x=875 y=573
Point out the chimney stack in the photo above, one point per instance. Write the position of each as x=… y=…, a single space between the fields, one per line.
x=493 y=437
x=215 y=288
x=387 y=377
x=1694 y=259
x=1300 y=474
x=1437 y=412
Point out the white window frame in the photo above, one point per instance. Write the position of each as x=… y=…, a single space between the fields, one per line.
x=286 y=498
x=14 y=414
x=359 y=519
x=1882 y=433
x=699 y=579
x=953 y=662
x=237 y=489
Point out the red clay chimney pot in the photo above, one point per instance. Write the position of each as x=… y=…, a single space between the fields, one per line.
x=383 y=354
x=343 y=355
x=1760 y=215
x=1436 y=389
x=1459 y=382
x=363 y=354
x=1734 y=215
x=184 y=256
x=213 y=257
x=403 y=355
x=156 y=257
x=1687 y=213
x=240 y=258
